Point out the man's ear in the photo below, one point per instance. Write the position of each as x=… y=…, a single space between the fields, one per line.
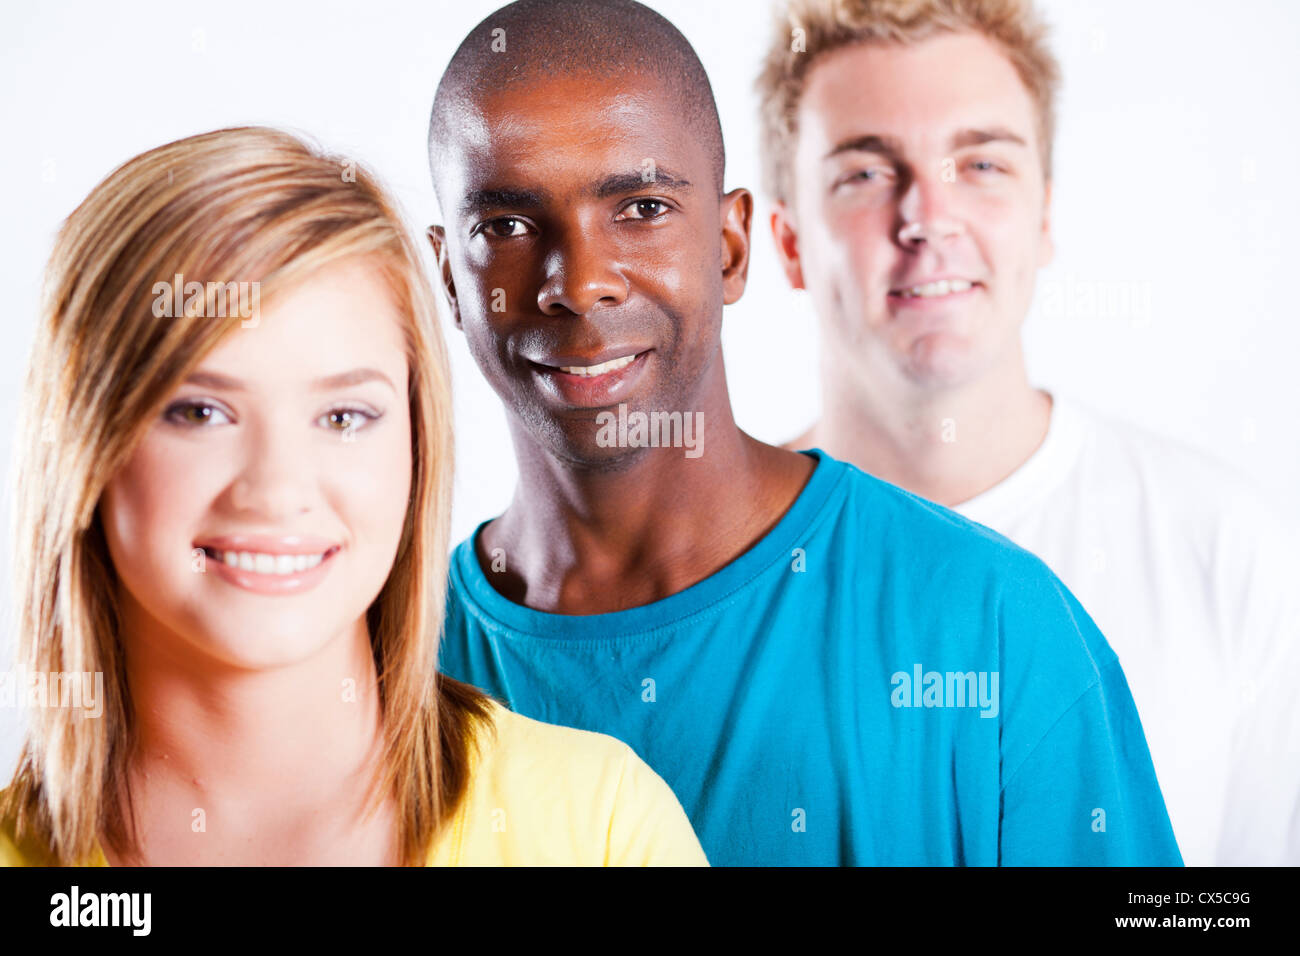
x=787 y=244
x=737 y=213
x=438 y=239
x=1046 y=246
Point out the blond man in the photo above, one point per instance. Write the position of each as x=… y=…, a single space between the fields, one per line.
x=908 y=151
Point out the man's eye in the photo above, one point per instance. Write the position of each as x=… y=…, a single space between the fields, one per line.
x=984 y=165
x=858 y=176
x=505 y=228
x=197 y=414
x=645 y=209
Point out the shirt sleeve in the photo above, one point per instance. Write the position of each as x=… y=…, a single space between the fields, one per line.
x=1087 y=794
x=1082 y=790
x=1254 y=573
x=648 y=826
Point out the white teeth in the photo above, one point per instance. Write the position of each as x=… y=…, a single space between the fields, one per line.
x=931 y=289
x=267 y=563
x=589 y=370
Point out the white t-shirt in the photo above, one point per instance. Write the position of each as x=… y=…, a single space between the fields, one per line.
x=1193 y=579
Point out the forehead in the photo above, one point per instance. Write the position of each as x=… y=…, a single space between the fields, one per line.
x=560 y=134
x=919 y=94
x=340 y=315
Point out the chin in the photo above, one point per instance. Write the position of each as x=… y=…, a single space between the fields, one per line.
x=940 y=365
x=584 y=452
x=256 y=638
x=270 y=650
x=573 y=439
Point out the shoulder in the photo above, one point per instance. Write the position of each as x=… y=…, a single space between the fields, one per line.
x=1228 y=523
x=951 y=568
x=937 y=547
x=542 y=793
x=519 y=745
x=9 y=853
x=975 y=588
x=14 y=852
x=523 y=757
x=1198 y=485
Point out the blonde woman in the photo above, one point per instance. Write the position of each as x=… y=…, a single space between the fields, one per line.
x=232 y=510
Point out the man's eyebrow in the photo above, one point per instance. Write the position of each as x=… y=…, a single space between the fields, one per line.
x=995 y=134
x=888 y=146
x=867 y=143
x=620 y=183
x=479 y=200
x=356 y=376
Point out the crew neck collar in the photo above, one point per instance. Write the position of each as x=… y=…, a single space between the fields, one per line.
x=667 y=612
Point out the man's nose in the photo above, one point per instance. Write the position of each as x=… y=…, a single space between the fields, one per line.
x=927 y=211
x=582 y=271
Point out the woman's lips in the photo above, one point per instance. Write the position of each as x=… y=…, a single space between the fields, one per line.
x=598 y=385
x=271 y=573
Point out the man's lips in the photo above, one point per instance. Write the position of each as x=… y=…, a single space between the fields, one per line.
x=938 y=288
x=937 y=297
x=591 y=363
x=591 y=381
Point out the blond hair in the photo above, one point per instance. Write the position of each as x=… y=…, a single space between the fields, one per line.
x=807 y=30
x=254 y=204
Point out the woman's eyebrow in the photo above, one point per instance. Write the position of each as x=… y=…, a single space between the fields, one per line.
x=356 y=376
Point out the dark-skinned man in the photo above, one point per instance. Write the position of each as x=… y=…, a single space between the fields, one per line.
x=826 y=669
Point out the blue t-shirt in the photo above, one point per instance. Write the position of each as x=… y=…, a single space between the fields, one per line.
x=877 y=681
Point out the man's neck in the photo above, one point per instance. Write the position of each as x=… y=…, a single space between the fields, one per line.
x=581 y=540
x=946 y=445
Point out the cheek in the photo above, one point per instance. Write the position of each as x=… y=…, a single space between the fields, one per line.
x=371 y=486
x=490 y=286
x=154 y=506
x=1010 y=232
x=854 y=252
x=671 y=268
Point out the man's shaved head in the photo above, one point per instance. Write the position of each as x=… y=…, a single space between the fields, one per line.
x=532 y=40
x=577 y=156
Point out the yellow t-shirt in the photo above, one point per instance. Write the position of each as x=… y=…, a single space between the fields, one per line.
x=540 y=795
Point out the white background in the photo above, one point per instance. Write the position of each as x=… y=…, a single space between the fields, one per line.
x=1176 y=195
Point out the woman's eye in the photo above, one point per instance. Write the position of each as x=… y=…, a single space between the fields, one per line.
x=344 y=420
x=505 y=228
x=348 y=420
x=984 y=165
x=646 y=209
x=194 y=413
